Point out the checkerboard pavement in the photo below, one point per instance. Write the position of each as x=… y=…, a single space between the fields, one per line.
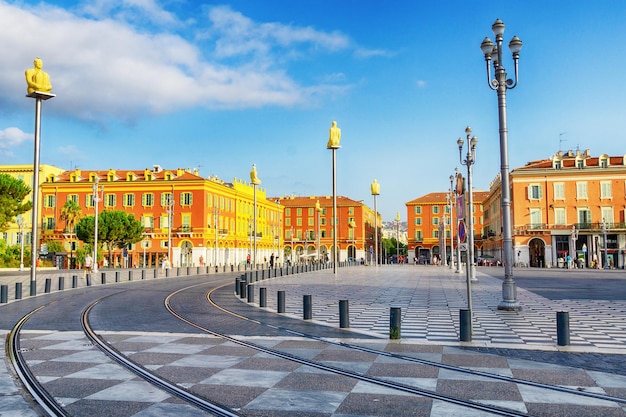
x=256 y=384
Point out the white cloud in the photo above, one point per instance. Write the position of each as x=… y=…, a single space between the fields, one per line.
x=421 y=83
x=11 y=138
x=106 y=68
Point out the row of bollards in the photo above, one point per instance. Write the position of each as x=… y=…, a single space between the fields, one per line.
x=246 y=290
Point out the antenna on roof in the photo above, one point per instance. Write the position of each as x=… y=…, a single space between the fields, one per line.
x=561 y=140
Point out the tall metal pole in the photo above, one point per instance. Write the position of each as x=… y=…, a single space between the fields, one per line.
x=500 y=84
x=20 y=223
x=334 y=144
x=318 y=210
x=398 y=238
x=216 y=213
x=450 y=202
x=170 y=220
x=458 y=237
x=96 y=199
x=254 y=179
x=375 y=188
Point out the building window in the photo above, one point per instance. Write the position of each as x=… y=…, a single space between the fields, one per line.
x=129 y=200
x=186 y=199
x=559 y=216
x=605 y=189
x=311 y=211
x=435 y=220
x=603 y=163
x=165 y=221
x=73 y=197
x=581 y=190
x=535 y=218
x=323 y=234
x=435 y=209
x=164 y=243
x=147 y=199
x=584 y=218
x=48 y=223
x=580 y=164
x=436 y=233
x=323 y=221
x=166 y=199
x=607 y=214
x=49 y=200
x=559 y=191
x=311 y=221
x=299 y=221
x=418 y=221
x=557 y=165
x=534 y=192
x=148 y=221
x=418 y=209
x=110 y=200
x=287 y=211
x=351 y=211
x=418 y=235
x=89 y=200
x=287 y=221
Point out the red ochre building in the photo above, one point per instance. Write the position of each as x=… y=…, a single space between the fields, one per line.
x=212 y=221
x=355 y=229
x=425 y=216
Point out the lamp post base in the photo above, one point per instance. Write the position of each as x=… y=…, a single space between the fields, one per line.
x=509 y=302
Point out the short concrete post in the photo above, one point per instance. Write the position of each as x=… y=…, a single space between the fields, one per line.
x=18 y=290
x=237 y=280
x=198 y=271
x=344 y=314
x=143 y=274
x=178 y=271
x=262 y=297
x=156 y=273
x=4 y=294
x=281 y=301
x=242 y=289
x=256 y=275
x=395 y=315
x=188 y=270
x=465 y=323
x=103 y=277
x=48 y=284
x=250 y=293
x=61 y=283
x=307 y=307
x=130 y=275
x=562 y=328
x=74 y=281
x=88 y=280
x=117 y=277
x=167 y=272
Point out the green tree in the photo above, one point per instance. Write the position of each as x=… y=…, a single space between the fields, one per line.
x=12 y=194
x=115 y=229
x=70 y=214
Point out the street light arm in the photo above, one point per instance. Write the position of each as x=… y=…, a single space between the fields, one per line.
x=492 y=83
x=511 y=84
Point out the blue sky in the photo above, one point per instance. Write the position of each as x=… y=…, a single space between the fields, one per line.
x=224 y=85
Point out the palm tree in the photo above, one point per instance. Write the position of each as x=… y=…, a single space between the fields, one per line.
x=70 y=214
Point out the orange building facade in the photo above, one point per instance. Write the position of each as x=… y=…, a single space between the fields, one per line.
x=308 y=232
x=572 y=204
x=205 y=221
x=428 y=225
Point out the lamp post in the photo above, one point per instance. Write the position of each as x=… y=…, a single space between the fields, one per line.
x=20 y=224
x=318 y=210
x=500 y=84
x=293 y=249
x=96 y=200
x=254 y=179
x=375 y=188
x=250 y=235
x=398 y=238
x=452 y=224
x=606 y=252
x=444 y=253
x=216 y=214
x=334 y=144
x=574 y=239
x=170 y=218
x=470 y=159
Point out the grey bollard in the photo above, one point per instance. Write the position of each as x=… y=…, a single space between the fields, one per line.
x=237 y=281
x=216 y=270
x=242 y=289
x=156 y=272
x=48 y=284
x=61 y=283
x=167 y=272
x=88 y=280
x=143 y=274
x=263 y=275
x=198 y=271
x=33 y=288
x=117 y=277
x=130 y=275
x=395 y=315
x=281 y=272
x=188 y=270
x=224 y=268
x=562 y=328
x=281 y=301
x=344 y=314
x=232 y=268
x=18 y=290
x=74 y=281
x=307 y=307
x=4 y=294
x=262 y=297
x=103 y=277
x=256 y=276
x=250 y=293
x=178 y=271
x=465 y=323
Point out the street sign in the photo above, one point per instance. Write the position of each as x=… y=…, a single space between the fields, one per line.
x=462 y=231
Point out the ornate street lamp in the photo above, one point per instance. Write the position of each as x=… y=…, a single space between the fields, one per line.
x=500 y=84
x=254 y=179
x=452 y=224
x=375 y=188
x=96 y=200
x=398 y=238
x=334 y=144
x=318 y=210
